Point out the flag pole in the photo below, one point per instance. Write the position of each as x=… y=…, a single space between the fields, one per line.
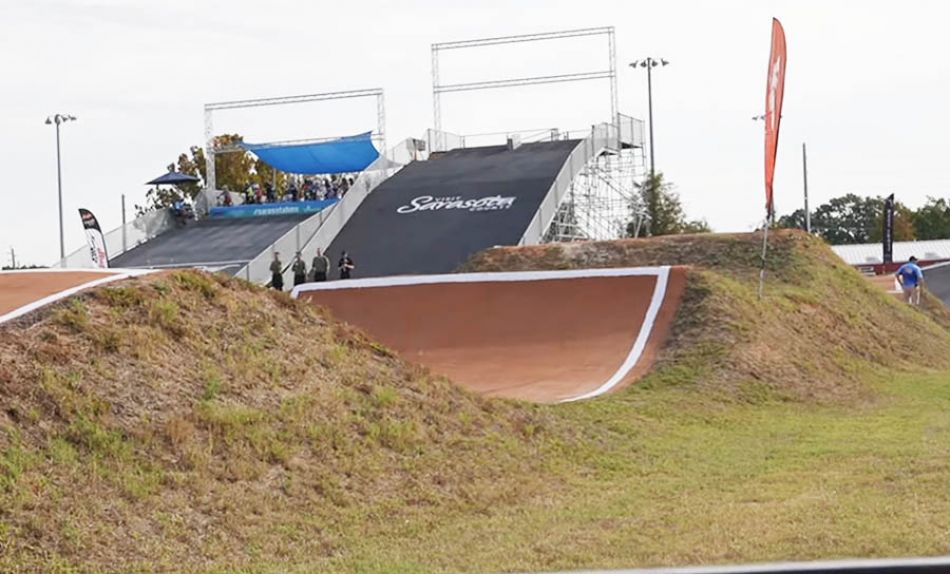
x=765 y=251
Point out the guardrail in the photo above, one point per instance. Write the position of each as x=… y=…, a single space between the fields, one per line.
x=323 y=227
x=601 y=137
x=938 y=564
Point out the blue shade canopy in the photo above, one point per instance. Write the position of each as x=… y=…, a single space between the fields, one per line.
x=173 y=178
x=338 y=156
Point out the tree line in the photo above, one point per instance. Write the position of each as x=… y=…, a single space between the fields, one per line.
x=852 y=219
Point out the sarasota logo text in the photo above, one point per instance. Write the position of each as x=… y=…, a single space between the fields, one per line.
x=429 y=203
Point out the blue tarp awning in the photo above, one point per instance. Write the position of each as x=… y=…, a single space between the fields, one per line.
x=344 y=155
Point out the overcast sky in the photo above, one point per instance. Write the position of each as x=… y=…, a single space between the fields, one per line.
x=867 y=88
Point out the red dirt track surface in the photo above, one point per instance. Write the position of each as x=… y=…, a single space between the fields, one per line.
x=19 y=289
x=552 y=337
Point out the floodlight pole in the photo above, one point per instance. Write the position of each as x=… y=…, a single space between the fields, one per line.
x=59 y=188
x=649 y=63
x=58 y=119
x=650 y=106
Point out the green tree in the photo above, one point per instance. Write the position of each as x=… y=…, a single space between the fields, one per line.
x=794 y=220
x=661 y=205
x=932 y=221
x=234 y=170
x=851 y=219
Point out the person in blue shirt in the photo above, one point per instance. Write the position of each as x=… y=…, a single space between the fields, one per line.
x=911 y=278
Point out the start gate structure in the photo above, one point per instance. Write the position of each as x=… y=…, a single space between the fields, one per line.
x=603 y=199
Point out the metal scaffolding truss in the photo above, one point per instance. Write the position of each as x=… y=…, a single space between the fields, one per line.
x=602 y=200
x=610 y=73
x=211 y=149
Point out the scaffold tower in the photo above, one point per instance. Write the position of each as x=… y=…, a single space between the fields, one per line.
x=603 y=200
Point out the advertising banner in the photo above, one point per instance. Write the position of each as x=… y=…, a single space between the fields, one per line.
x=774 y=93
x=270 y=209
x=888 y=235
x=97 y=243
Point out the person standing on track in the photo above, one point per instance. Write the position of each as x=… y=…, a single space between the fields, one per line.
x=277 y=273
x=346 y=266
x=300 y=270
x=320 y=266
x=911 y=278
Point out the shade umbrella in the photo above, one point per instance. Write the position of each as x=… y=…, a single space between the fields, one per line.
x=173 y=178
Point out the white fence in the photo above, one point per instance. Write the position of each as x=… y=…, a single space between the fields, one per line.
x=125 y=237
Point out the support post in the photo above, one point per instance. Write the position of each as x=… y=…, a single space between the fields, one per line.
x=650 y=106
x=210 y=176
x=59 y=187
x=805 y=180
x=124 y=230
x=765 y=250
x=612 y=47
x=436 y=101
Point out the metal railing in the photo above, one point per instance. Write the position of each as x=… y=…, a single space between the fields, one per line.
x=601 y=138
x=632 y=132
x=319 y=230
x=125 y=237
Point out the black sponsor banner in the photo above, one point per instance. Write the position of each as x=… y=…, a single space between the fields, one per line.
x=94 y=238
x=888 y=235
x=433 y=215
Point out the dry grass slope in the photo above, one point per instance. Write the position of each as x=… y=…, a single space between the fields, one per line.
x=185 y=421
x=819 y=331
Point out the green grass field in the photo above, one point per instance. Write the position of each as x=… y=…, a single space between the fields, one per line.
x=664 y=477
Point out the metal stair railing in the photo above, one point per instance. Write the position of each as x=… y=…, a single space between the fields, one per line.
x=603 y=137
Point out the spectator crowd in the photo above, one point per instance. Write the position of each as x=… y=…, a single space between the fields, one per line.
x=296 y=189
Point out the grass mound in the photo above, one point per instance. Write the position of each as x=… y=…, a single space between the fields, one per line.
x=818 y=332
x=190 y=422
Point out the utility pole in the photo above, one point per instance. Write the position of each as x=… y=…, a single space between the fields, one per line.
x=805 y=180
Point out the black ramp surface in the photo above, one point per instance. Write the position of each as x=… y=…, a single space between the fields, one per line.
x=219 y=243
x=938 y=282
x=431 y=216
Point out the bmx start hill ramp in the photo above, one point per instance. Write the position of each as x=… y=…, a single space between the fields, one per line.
x=431 y=216
x=544 y=336
x=217 y=244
